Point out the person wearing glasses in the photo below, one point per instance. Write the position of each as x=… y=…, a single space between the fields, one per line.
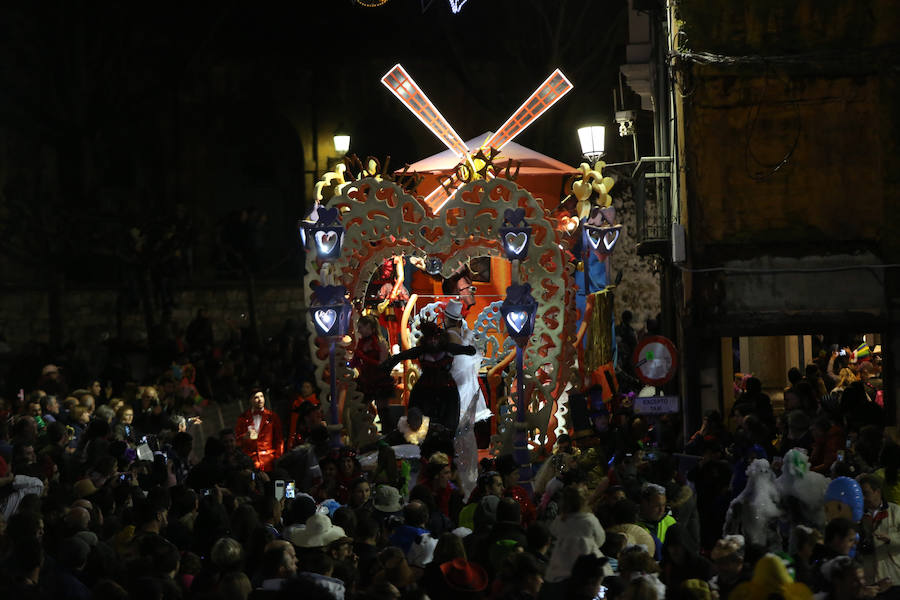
x=459 y=286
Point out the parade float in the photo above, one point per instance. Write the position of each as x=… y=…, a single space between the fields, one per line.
x=530 y=233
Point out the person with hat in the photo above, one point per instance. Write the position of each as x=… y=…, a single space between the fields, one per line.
x=259 y=433
x=472 y=406
x=465 y=367
x=509 y=471
x=435 y=392
x=728 y=558
x=463 y=579
x=318 y=532
x=386 y=502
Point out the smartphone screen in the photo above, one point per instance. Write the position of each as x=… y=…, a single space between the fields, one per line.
x=289 y=489
x=279 y=489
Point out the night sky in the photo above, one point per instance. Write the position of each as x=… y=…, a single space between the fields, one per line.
x=117 y=117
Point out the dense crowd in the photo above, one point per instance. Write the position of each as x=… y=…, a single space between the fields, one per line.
x=102 y=496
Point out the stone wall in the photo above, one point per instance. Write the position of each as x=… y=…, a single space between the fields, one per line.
x=89 y=315
x=639 y=290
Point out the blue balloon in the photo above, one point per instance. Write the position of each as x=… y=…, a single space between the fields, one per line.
x=846 y=491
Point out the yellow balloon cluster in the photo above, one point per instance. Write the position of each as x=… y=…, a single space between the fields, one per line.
x=333 y=182
x=592 y=182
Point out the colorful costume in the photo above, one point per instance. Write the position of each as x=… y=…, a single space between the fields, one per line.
x=435 y=392
x=267 y=447
x=374 y=383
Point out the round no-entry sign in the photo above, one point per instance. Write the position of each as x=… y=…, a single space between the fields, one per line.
x=655 y=360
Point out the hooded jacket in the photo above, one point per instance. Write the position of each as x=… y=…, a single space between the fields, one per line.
x=575 y=534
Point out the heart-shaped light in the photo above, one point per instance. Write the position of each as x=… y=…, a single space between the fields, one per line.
x=515 y=242
x=615 y=238
x=325 y=319
x=326 y=241
x=594 y=235
x=517 y=320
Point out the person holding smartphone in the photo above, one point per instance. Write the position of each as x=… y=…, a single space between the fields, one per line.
x=259 y=433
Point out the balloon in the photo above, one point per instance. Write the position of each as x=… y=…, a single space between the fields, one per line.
x=609 y=182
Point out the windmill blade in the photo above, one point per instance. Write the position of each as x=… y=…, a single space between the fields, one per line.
x=546 y=95
x=402 y=85
x=438 y=198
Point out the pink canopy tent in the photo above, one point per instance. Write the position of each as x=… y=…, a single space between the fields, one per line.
x=541 y=175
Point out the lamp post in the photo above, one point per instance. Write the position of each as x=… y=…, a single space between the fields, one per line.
x=519 y=310
x=593 y=142
x=323 y=233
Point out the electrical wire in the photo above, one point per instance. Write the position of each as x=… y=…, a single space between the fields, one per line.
x=764 y=271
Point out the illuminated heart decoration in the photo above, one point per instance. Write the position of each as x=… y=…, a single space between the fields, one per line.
x=609 y=244
x=516 y=242
x=326 y=318
x=326 y=241
x=517 y=320
x=595 y=235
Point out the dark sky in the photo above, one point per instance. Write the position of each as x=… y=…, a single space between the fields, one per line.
x=114 y=114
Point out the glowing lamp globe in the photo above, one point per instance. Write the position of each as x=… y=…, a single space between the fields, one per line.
x=593 y=141
x=341 y=143
x=519 y=310
x=330 y=311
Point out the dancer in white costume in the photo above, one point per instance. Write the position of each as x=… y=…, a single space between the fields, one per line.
x=472 y=405
x=465 y=368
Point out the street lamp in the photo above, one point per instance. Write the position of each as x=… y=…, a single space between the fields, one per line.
x=599 y=231
x=593 y=142
x=519 y=310
x=331 y=313
x=341 y=142
x=323 y=232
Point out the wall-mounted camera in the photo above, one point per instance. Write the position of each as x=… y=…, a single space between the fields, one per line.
x=626 y=120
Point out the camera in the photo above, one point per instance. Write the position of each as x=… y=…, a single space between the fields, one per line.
x=626 y=119
x=843 y=352
x=206 y=491
x=289 y=489
x=123 y=477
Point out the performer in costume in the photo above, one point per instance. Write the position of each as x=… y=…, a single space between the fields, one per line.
x=465 y=368
x=435 y=392
x=472 y=406
x=258 y=432
x=391 y=296
x=375 y=384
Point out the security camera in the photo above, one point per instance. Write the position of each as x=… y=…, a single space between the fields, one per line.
x=626 y=119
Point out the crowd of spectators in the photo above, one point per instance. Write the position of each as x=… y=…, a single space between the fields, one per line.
x=102 y=496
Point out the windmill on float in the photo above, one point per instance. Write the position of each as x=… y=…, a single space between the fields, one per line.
x=472 y=161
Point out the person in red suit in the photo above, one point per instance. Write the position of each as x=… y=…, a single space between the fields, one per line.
x=259 y=433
